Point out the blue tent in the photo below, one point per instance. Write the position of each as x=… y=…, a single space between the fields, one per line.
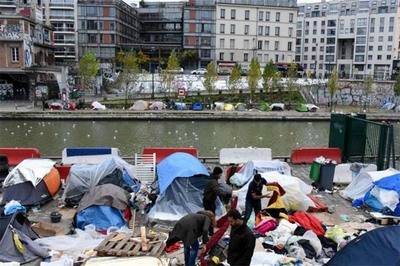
x=377 y=247
x=181 y=180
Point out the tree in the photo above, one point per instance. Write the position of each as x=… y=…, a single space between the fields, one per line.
x=396 y=87
x=368 y=83
x=129 y=74
x=291 y=81
x=268 y=74
x=89 y=66
x=142 y=58
x=168 y=74
x=333 y=85
x=209 y=78
x=275 y=81
x=234 y=79
x=253 y=76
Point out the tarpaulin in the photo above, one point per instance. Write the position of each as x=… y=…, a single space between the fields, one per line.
x=308 y=221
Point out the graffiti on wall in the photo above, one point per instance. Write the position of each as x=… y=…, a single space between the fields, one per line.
x=10 y=32
x=28 y=52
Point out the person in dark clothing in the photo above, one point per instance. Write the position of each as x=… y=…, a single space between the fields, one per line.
x=212 y=191
x=242 y=241
x=254 y=196
x=188 y=229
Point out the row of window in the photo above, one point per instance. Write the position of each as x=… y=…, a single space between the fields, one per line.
x=260 y=31
x=246 y=45
x=357 y=58
x=246 y=57
x=260 y=15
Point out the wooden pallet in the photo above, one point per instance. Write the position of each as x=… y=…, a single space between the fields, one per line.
x=126 y=245
x=385 y=219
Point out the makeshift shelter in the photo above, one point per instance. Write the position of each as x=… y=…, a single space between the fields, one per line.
x=264 y=107
x=229 y=107
x=181 y=178
x=219 y=106
x=157 y=106
x=24 y=251
x=98 y=106
x=32 y=182
x=197 y=106
x=362 y=183
x=377 y=247
x=312 y=107
x=277 y=107
x=301 y=108
x=247 y=171
x=240 y=107
x=103 y=207
x=83 y=178
x=87 y=155
x=345 y=172
x=180 y=106
x=139 y=106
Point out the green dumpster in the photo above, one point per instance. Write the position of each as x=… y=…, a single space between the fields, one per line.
x=315 y=171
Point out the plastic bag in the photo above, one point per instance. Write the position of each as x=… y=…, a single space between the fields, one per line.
x=252 y=220
x=314 y=241
x=335 y=233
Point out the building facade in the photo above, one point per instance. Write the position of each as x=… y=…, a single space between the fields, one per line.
x=62 y=16
x=106 y=27
x=262 y=29
x=199 y=30
x=26 y=45
x=358 y=38
x=161 y=28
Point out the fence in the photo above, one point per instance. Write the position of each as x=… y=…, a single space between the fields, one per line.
x=361 y=140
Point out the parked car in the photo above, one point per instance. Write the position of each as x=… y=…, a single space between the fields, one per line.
x=199 y=71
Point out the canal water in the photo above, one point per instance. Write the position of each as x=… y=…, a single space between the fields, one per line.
x=131 y=136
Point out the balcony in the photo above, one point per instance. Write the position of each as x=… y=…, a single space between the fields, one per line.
x=72 y=30
x=61 y=41
x=62 y=17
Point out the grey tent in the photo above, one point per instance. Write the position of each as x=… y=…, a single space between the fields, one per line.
x=18 y=224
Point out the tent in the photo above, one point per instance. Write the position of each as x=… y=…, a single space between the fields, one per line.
x=157 y=106
x=277 y=107
x=247 y=171
x=362 y=183
x=377 y=247
x=180 y=106
x=240 y=107
x=264 y=107
x=219 y=106
x=229 y=107
x=32 y=182
x=181 y=181
x=139 y=106
x=301 y=108
x=18 y=224
x=312 y=107
x=197 y=106
x=98 y=106
x=83 y=178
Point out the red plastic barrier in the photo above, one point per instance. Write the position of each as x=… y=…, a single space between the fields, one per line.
x=162 y=152
x=308 y=154
x=63 y=169
x=17 y=155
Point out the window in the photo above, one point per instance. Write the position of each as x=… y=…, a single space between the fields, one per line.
x=372 y=25
x=266 y=45
x=305 y=40
x=390 y=38
x=276 y=58
x=306 y=49
x=290 y=17
x=305 y=57
x=361 y=31
x=361 y=40
x=313 y=57
x=321 y=49
x=259 y=45
x=276 y=47
x=267 y=15
x=247 y=15
x=359 y=58
x=330 y=40
x=331 y=23
x=231 y=56
x=331 y=32
x=314 y=40
x=290 y=32
x=232 y=28
x=92 y=38
x=360 y=49
x=330 y=49
x=380 y=48
x=261 y=15
x=389 y=48
x=323 y=23
x=369 y=57
x=260 y=30
x=289 y=46
x=391 y=24
x=232 y=43
x=322 y=40
x=370 y=48
x=313 y=49
x=388 y=57
x=233 y=14
x=369 y=66
x=14 y=54
x=266 y=30
x=371 y=39
x=380 y=39
x=381 y=24
x=222 y=43
x=246 y=44
x=361 y=22
x=321 y=57
x=245 y=57
x=246 y=29
x=221 y=56
x=222 y=13
x=222 y=28
x=277 y=31
x=322 y=31
x=205 y=53
x=278 y=16
x=379 y=57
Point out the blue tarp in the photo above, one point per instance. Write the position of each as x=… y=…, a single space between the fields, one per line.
x=176 y=165
x=88 y=151
x=377 y=247
x=102 y=217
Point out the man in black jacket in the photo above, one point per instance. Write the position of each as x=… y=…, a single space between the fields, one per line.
x=188 y=229
x=242 y=241
x=212 y=191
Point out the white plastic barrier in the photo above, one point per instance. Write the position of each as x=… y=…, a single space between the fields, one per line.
x=243 y=155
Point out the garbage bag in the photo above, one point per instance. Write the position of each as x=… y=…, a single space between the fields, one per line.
x=314 y=241
x=335 y=233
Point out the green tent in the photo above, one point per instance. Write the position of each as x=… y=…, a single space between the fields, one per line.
x=301 y=108
x=264 y=107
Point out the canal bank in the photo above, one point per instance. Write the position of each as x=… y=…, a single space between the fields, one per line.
x=182 y=115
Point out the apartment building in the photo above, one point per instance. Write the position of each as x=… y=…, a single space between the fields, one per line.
x=199 y=30
x=105 y=27
x=251 y=28
x=358 y=38
x=62 y=16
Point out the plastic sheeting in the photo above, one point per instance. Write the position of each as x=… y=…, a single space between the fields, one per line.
x=344 y=174
x=98 y=106
x=29 y=170
x=295 y=198
x=248 y=170
x=178 y=164
x=362 y=183
x=169 y=207
x=83 y=178
x=102 y=217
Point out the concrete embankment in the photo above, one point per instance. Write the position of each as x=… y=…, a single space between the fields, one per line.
x=181 y=115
